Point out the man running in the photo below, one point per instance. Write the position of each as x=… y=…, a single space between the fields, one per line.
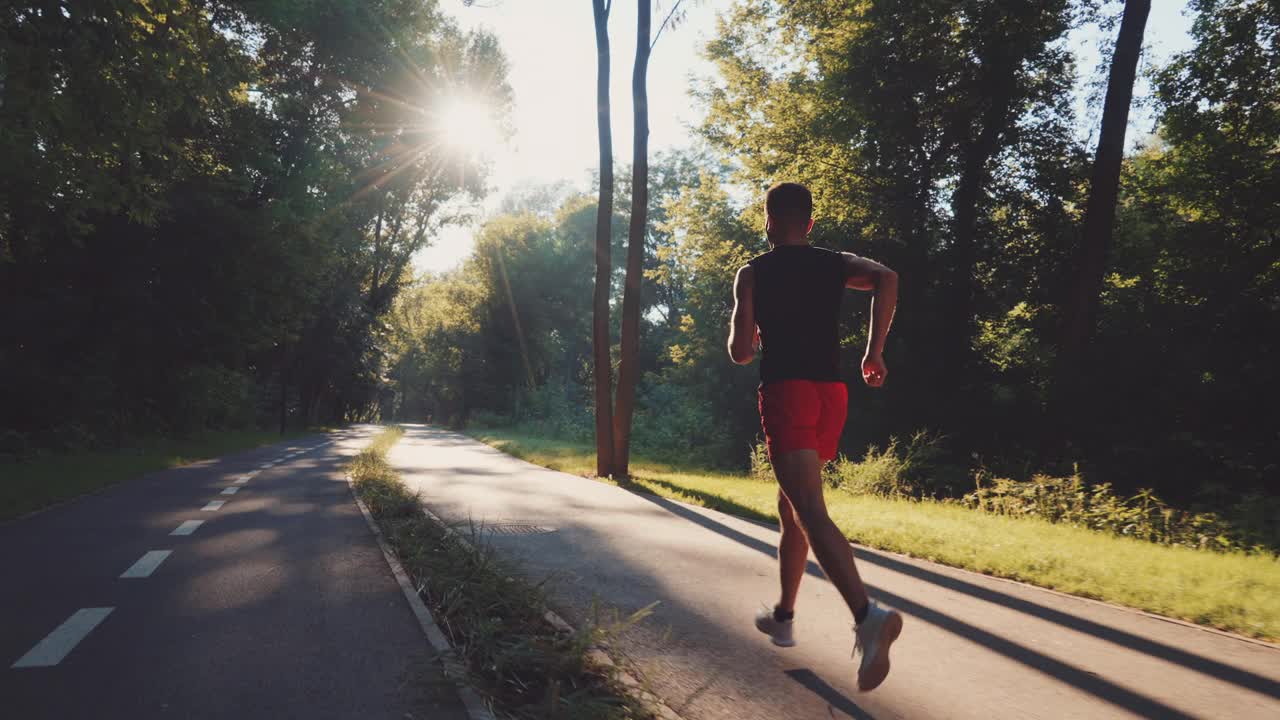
x=787 y=301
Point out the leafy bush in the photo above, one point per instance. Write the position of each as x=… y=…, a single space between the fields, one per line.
x=1143 y=516
x=213 y=397
x=914 y=469
x=669 y=424
x=554 y=410
x=911 y=470
x=761 y=468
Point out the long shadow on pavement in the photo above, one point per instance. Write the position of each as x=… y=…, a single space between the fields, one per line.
x=823 y=689
x=1208 y=666
x=1086 y=681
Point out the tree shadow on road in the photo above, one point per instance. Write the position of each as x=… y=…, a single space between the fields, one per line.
x=1064 y=672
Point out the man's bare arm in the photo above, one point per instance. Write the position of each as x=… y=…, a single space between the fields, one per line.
x=864 y=274
x=742 y=327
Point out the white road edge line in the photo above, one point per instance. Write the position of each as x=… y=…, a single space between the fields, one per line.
x=56 y=645
x=230 y=491
x=453 y=667
x=146 y=564
x=213 y=505
x=187 y=527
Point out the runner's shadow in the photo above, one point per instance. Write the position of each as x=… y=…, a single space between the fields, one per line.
x=823 y=689
x=1089 y=682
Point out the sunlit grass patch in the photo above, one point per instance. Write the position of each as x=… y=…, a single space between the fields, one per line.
x=1231 y=591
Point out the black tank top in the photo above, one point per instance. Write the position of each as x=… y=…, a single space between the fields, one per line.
x=798 y=289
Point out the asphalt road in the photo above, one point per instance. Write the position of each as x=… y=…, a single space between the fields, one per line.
x=277 y=604
x=972 y=646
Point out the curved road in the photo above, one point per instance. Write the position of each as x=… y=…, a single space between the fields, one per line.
x=973 y=646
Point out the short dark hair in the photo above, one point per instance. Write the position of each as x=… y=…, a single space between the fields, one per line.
x=789 y=202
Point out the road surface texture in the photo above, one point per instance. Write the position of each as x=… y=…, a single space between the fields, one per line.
x=972 y=646
x=224 y=589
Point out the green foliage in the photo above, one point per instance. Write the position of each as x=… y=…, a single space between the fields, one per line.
x=913 y=469
x=1143 y=515
x=938 y=137
x=208 y=208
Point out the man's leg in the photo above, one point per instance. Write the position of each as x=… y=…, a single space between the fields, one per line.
x=800 y=477
x=793 y=554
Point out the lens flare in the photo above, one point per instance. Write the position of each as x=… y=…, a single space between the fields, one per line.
x=466 y=125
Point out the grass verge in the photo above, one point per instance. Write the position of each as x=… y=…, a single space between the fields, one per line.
x=28 y=486
x=1229 y=591
x=492 y=615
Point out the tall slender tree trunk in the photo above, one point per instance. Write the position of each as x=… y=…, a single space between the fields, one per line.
x=1081 y=309
x=629 y=368
x=976 y=154
x=604 y=215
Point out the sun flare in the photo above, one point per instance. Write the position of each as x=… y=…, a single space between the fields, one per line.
x=467 y=125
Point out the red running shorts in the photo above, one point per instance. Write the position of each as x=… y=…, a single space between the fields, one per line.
x=803 y=415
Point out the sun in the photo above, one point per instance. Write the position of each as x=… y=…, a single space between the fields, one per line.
x=466 y=125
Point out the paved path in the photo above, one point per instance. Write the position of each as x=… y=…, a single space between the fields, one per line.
x=972 y=647
x=278 y=604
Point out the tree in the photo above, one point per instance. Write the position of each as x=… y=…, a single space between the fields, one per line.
x=1079 y=313
x=211 y=206
x=603 y=368
x=628 y=367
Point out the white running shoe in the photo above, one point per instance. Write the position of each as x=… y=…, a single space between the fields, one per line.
x=780 y=632
x=872 y=639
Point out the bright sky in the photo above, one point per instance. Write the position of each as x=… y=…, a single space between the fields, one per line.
x=550 y=47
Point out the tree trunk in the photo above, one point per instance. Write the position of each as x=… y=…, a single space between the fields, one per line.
x=604 y=215
x=629 y=367
x=1081 y=309
x=976 y=153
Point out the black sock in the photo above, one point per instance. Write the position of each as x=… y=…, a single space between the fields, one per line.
x=780 y=616
x=860 y=615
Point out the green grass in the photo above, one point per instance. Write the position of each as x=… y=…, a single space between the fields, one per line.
x=493 y=616
x=31 y=485
x=1230 y=591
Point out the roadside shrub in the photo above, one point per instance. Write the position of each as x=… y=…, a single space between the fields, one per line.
x=212 y=397
x=912 y=469
x=1143 y=515
x=670 y=425
x=761 y=468
x=554 y=410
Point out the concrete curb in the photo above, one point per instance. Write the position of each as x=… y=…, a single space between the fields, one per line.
x=655 y=704
x=453 y=667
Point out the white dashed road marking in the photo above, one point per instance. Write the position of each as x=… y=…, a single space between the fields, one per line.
x=147 y=564
x=230 y=491
x=187 y=527
x=243 y=480
x=214 y=505
x=265 y=466
x=56 y=645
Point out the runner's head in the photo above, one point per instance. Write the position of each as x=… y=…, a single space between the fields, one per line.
x=789 y=207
